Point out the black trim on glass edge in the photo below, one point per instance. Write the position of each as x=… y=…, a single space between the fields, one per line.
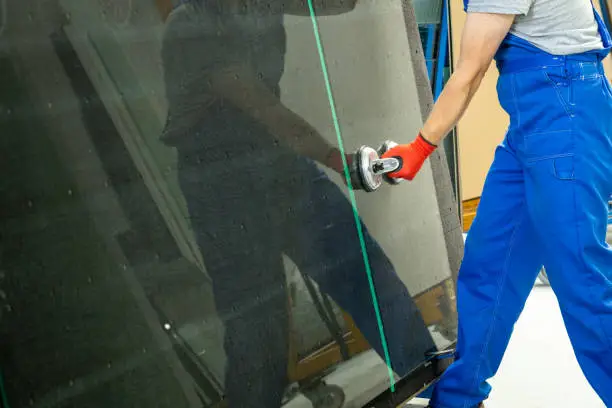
x=414 y=383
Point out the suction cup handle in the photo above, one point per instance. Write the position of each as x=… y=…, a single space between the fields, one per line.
x=385 y=147
x=388 y=165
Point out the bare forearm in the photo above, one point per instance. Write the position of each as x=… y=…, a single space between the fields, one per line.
x=482 y=35
x=451 y=105
x=297 y=134
x=239 y=86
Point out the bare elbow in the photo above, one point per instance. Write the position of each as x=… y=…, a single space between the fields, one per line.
x=349 y=5
x=340 y=6
x=470 y=74
x=334 y=7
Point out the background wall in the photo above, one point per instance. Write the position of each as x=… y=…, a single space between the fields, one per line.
x=484 y=124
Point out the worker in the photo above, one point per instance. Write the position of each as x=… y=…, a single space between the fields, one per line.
x=247 y=167
x=545 y=197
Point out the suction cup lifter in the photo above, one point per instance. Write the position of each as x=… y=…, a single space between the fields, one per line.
x=368 y=169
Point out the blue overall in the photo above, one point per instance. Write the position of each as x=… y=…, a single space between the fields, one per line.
x=544 y=203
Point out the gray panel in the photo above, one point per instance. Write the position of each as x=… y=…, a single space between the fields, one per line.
x=444 y=189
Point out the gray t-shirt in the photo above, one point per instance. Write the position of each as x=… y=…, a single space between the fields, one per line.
x=559 y=27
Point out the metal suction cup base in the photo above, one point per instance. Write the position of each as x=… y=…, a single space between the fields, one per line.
x=364 y=158
x=385 y=147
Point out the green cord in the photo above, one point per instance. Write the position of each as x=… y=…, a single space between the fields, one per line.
x=347 y=174
x=5 y=403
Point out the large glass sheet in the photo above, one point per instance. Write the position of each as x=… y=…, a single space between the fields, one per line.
x=175 y=231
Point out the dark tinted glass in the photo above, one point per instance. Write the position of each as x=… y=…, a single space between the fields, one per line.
x=176 y=228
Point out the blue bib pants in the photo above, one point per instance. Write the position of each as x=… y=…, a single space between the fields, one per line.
x=544 y=202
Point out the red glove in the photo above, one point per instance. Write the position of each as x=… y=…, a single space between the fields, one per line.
x=412 y=157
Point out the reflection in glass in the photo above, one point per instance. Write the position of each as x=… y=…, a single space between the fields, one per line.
x=171 y=234
x=254 y=192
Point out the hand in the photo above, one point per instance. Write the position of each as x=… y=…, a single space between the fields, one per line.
x=334 y=160
x=412 y=156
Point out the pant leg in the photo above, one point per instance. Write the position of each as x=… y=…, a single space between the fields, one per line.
x=256 y=340
x=324 y=244
x=243 y=259
x=568 y=182
x=501 y=263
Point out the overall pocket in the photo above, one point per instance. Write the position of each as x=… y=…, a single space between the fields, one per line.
x=544 y=100
x=550 y=155
x=564 y=89
x=555 y=146
x=563 y=167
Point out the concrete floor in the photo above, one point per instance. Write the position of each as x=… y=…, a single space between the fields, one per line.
x=539 y=369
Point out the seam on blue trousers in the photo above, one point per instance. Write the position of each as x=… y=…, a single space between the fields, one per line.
x=500 y=287
x=549 y=157
x=579 y=239
x=567 y=105
x=515 y=100
x=578 y=235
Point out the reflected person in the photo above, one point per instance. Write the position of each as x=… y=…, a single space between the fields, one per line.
x=247 y=168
